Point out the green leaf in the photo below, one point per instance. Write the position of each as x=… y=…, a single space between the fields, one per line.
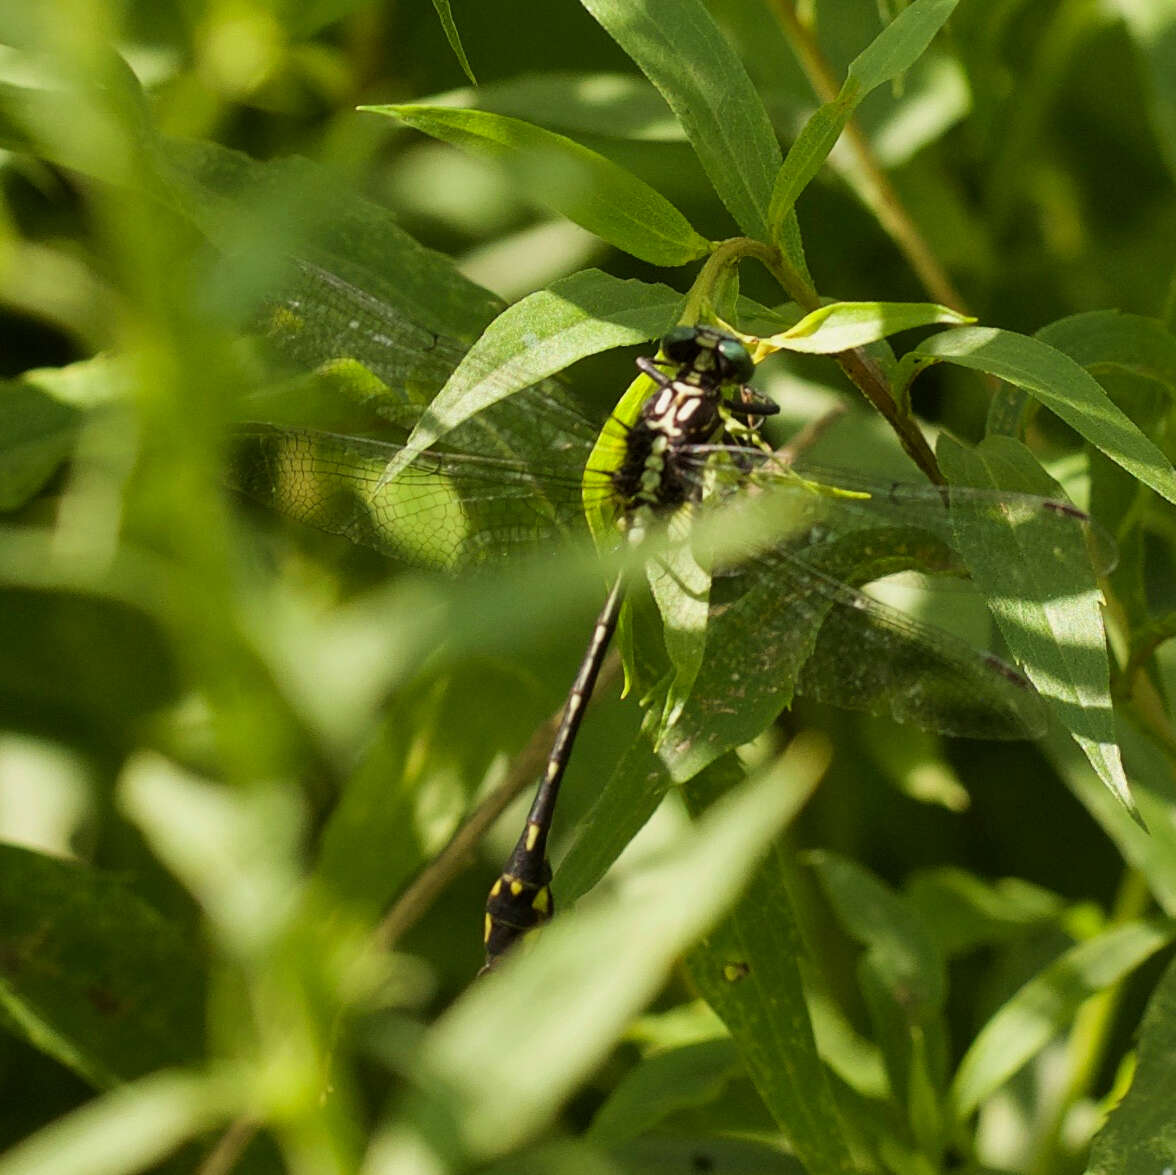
x=93 y=663
x=898 y=46
x=1101 y=339
x=445 y=14
x=235 y=850
x=92 y=975
x=129 y=1130
x=902 y=974
x=747 y=968
x=680 y=585
x=628 y=799
x=564 y=1156
x=1139 y=1137
x=808 y=152
x=571 y=179
x=657 y=1154
x=1056 y=381
x=257 y=213
x=1046 y=1005
x=564 y=1004
x=37 y=434
x=842 y=325
x=40 y=414
x=614 y=105
x=1053 y=620
x=894 y=50
x=580 y=315
x=963 y=912
x=664 y=1084
x=713 y=98
x=908 y=962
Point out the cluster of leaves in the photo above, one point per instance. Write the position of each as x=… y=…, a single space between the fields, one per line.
x=228 y=746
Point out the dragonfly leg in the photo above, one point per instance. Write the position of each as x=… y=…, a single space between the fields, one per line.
x=750 y=406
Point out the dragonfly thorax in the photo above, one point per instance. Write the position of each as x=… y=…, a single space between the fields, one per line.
x=678 y=415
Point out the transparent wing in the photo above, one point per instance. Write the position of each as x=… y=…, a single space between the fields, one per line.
x=506 y=480
x=833 y=503
x=320 y=321
x=788 y=610
x=445 y=510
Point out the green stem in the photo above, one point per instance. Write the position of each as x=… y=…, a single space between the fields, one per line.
x=727 y=254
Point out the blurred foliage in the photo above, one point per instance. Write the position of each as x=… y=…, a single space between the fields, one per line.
x=233 y=748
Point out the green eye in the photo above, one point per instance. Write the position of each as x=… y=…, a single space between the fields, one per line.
x=736 y=360
x=681 y=344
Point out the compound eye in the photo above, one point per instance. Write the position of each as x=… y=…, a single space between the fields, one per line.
x=736 y=360
x=680 y=345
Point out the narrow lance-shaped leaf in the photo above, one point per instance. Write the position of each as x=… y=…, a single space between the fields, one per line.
x=748 y=970
x=713 y=99
x=842 y=325
x=129 y=1129
x=630 y=796
x=581 y=184
x=680 y=584
x=545 y=332
x=1047 y=609
x=663 y=1084
x=902 y=973
x=1150 y=849
x=445 y=15
x=1055 y=380
x=1101 y=339
x=1046 y=1005
x=893 y=51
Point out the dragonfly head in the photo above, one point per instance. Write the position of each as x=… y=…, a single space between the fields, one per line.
x=702 y=348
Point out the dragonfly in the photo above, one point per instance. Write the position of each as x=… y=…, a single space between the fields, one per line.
x=786 y=615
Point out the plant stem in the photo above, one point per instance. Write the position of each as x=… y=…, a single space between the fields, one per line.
x=859 y=365
x=229 y=1148
x=868 y=178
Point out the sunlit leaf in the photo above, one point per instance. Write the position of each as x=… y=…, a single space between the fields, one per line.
x=583 y=185
x=843 y=325
x=1057 y=382
x=1053 y=623
x=714 y=101
x=580 y=315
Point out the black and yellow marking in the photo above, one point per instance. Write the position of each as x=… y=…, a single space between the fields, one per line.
x=687 y=408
